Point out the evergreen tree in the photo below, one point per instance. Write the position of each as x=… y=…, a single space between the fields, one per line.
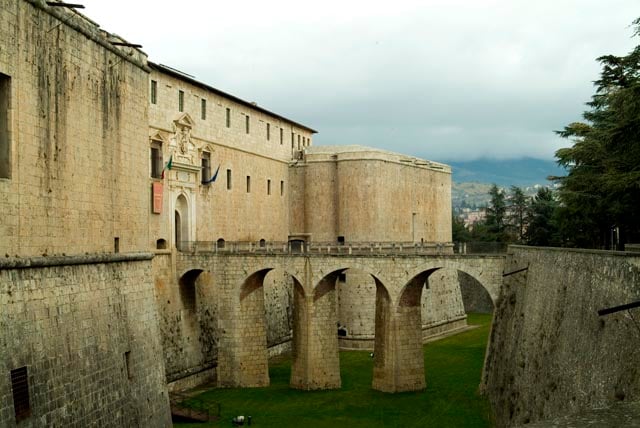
x=496 y=212
x=601 y=191
x=542 y=229
x=459 y=231
x=518 y=212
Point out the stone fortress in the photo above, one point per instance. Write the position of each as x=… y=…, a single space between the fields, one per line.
x=111 y=166
x=158 y=233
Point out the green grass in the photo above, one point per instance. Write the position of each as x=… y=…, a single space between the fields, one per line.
x=453 y=368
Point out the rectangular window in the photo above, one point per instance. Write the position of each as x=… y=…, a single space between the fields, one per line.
x=268 y=131
x=127 y=364
x=156 y=160
x=268 y=187
x=154 y=92
x=293 y=141
x=206 y=167
x=281 y=188
x=228 y=179
x=246 y=123
x=20 y=390
x=281 y=136
x=203 y=109
x=5 y=132
x=116 y=244
x=248 y=184
x=228 y=117
x=180 y=100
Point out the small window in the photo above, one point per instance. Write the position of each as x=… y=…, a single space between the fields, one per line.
x=220 y=243
x=228 y=179
x=181 y=101
x=340 y=240
x=281 y=136
x=293 y=141
x=5 y=132
x=156 y=159
x=262 y=243
x=248 y=184
x=205 y=167
x=127 y=365
x=246 y=123
x=203 y=109
x=342 y=277
x=268 y=187
x=116 y=245
x=228 y=117
x=268 y=131
x=161 y=244
x=281 y=188
x=20 y=390
x=154 y=92
x=299 y=148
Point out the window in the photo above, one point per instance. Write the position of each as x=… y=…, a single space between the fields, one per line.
x=340 y=240
x=20 y=390
x=180 y=100
x=5 y=134
x=299 y=142
x=246 y=123
x=156 y=159
x=154 y=92
x=116 y=245
x=248 y=184
x=127 y=364
x=228 y=117
x=206 y=167
x=203 y=109
x=228 y=179
x=268 y=187
x=281 y=136
x=268 y=131
x=281 y=188
x=293 y=144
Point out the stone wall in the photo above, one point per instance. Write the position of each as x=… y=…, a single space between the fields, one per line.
x=397 y=198
x=475 y=297
x=86 y=329
x=550 y=354
x=78 y=178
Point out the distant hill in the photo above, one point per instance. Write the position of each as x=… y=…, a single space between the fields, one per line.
x=520 y=172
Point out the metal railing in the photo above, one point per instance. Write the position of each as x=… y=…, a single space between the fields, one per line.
x=303 y=247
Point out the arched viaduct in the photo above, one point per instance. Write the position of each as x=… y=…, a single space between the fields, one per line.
x=398 y=358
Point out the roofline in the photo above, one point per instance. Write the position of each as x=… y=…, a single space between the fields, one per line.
x=177 y=74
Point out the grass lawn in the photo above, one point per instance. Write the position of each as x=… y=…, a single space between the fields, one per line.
x=453 y=368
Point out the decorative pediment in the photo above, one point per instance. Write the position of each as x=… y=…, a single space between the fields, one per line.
x=159 y=136
x=207 y=148
x=184 y=120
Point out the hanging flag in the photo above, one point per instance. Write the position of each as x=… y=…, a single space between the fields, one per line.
x=167 y=166
x=215 y=176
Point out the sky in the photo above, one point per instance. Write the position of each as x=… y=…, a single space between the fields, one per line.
x=445 y=80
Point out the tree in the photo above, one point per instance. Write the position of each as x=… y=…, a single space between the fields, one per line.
x=601 y=191
x=542 y=229
x=459 y=231
x=518 y=212
x=496 y=212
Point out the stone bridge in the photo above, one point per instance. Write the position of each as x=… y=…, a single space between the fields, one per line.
x=399 y=279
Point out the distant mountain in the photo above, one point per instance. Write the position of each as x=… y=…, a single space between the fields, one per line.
x=519 y=172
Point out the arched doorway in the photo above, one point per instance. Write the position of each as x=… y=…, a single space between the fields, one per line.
x=181 y=223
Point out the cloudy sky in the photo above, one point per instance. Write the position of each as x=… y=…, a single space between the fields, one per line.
x=440 y=79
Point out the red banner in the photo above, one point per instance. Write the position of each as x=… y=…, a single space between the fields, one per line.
x=157 y=198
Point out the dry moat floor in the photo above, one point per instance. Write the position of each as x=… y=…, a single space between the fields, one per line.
x=453 y=368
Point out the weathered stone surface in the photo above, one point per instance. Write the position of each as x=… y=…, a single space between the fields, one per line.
x=550 y=354
x=88 y=335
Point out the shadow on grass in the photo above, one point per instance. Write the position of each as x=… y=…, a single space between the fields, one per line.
x=453 y=369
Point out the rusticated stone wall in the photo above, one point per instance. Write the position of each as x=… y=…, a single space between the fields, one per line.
x=550 y=354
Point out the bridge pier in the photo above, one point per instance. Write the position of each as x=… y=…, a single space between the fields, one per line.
x=398 y=358
x=316 y=360
x=242 y=356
